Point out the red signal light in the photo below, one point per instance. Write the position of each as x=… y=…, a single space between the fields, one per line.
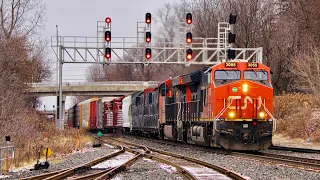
x=107 y=36
x=148 y=18
x=108 y=20
x=189 y=54
x=108 y=53
x=189 y=18
x=148 y=53
x=148 y=37
x=189 y=37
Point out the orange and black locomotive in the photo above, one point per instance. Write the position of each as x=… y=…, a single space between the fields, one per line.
x=228 y=105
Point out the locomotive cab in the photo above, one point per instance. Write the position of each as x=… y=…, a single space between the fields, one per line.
x=241 y=96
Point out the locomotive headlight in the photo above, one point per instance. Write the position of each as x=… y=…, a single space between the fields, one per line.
x=245 y=88
x=261 y=114
x=232 y=114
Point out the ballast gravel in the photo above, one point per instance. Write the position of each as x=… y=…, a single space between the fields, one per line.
x=149 y=169
x=72 y=160
x=250 y=168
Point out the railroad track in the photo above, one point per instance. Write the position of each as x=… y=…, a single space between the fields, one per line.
x=190 y=167
x=302 y=150
x=313 y=164
x=87 y=170
x=282 y=159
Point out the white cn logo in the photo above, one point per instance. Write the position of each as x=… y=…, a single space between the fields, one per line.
x=245 y=101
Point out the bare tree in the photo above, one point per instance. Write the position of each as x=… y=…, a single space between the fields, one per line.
x=21 y=17
x=307 y=70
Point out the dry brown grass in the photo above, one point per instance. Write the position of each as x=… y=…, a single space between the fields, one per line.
x=37 y=133
x=297 y=116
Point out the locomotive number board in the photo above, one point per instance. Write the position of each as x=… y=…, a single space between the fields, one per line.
x=252 y=65
x=231 y=64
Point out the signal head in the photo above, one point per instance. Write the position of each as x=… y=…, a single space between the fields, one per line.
x=232 y=19
x=148 y=53
x=189 y=37
x=108 y=53
x=148 y=18
x=107 y=36
x=148 y=37
x=231 y=38
x=231 y=54
x=189 y=18
x=189 y=54
x=108 y=20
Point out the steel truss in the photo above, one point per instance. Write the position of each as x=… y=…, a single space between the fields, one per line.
x=127 y=50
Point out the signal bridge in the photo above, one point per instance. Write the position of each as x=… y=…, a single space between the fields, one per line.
x=143 y=49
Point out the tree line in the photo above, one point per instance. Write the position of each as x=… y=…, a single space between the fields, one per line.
x=22 y=61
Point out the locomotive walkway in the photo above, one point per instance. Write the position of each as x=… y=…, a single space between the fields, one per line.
x=111 y=88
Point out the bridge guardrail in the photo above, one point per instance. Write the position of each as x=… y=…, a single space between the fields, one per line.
x=146 y=83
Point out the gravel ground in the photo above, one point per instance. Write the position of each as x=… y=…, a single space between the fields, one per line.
x=297 y=154
x=72 y=160
x=253 y=169
x=149 y=169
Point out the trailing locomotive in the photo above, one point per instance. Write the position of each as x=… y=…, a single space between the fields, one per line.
x=229 y=105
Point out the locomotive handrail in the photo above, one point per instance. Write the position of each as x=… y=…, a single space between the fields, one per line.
x=222 y=111
x=272 y=117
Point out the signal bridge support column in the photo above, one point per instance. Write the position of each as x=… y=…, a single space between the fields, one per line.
x=61 y=103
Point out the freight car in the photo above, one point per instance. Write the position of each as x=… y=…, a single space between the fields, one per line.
x=84 y=114
x=97 y=114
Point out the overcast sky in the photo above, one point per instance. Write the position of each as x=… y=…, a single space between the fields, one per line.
x=79 y=18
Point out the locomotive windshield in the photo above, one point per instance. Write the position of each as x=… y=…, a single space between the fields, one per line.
x=256 y=75
x=227 y=75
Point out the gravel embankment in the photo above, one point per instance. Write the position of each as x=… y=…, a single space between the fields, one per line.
x=149 y=169
x=72 y=160
x=254 y=169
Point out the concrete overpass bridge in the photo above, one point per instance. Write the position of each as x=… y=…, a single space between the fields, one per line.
x=111 y=88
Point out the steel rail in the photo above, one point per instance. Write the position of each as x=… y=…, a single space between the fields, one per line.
x=289 y=160
x=44 y=175
x=120 y=167
x=293 y=149
x=85 y=166
x=91 y=176
x=182 y=170
x=222 y=170
x=70 y=171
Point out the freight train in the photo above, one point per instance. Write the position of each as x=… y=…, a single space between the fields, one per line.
x=228 y=105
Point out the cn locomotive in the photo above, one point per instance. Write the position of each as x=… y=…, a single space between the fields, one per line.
x=228 y=105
